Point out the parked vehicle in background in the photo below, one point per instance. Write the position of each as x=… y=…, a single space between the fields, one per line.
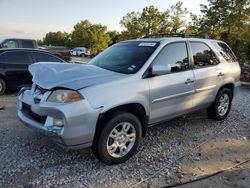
x=109 y=102
x=14 y=64
x=80 y=51
x=245 y=74
x=60 y=51
x=18 y=43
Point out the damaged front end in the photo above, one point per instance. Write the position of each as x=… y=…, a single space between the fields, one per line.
x=69 y=123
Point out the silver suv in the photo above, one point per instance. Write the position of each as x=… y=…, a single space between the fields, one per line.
x=109 y=102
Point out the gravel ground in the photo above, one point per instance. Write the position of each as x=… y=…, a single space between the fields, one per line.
x=28 y=159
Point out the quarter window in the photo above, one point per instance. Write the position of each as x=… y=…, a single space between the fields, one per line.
x=43 y=57
x=202 y=55
x=175 y=55
x=225 y=51
x=18 y=58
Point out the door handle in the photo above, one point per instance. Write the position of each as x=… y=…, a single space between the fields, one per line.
x=220 y=74
x=189 y=81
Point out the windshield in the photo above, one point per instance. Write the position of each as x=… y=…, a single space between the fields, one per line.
x=125 y=57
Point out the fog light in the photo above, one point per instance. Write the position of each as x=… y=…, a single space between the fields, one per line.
x=58 y=122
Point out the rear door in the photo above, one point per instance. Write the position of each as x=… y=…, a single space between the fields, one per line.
x=207 y=71
x=16 y=67
x=171 y=94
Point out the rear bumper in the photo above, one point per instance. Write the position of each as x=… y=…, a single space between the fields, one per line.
x=79 y=120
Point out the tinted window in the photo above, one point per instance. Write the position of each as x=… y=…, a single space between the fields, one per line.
x=203 y=55
x=174 y=55
x=27 y=44
x=44 y=57
x=225 y=51
x=18 y=57
x=10 y=44
x=125 y=57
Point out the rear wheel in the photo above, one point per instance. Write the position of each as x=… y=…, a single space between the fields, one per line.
x=2 y=86
x=220 y=108
x=119 y=138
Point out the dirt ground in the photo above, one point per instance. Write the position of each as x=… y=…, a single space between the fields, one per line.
x=28 y=159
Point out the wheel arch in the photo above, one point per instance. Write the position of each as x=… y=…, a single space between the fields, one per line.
x=136 y=109
x=229 y=86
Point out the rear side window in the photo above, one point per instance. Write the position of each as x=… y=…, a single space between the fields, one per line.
x=18 y=58
x=203 y=56
x=175 y=55
x=44 y=57
x=225 y=51
x=27 y=44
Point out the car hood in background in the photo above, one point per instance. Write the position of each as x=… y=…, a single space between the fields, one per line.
x=71 y=76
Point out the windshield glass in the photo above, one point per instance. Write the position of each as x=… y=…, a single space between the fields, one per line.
x=125 y=57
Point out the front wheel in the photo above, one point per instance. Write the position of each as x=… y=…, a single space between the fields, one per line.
x=220 y=108
x=119 y=139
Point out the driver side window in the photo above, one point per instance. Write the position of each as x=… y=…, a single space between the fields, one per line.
x=175 y=55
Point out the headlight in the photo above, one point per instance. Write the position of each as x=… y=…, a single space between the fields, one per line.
x=64 y=96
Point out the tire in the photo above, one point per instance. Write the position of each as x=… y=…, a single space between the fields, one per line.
x=2 y=86
x=219 y=110
x=83 y=55
x=120 y=148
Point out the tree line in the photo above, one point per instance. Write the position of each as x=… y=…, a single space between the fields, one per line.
x=227 y=20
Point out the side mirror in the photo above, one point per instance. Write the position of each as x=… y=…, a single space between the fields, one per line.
x=161 y=69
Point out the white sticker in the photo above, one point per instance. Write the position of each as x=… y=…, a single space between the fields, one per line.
x=130 y=69
x=151 y=44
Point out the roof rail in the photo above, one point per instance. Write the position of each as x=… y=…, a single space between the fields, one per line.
x=178 y=35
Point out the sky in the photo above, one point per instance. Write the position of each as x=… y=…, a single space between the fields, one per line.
x=34 y=18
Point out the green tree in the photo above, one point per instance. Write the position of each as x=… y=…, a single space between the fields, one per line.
x=177 y=18
x=227 y=20
x=153 y=22
x=39 y=42
x=193 y=26
x=114 y=35
x=131 y=23
x=148 y=23
x=92 y=36
x=57 y=39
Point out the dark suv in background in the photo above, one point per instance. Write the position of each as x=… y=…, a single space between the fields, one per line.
x=14 y=64
x=60 y=51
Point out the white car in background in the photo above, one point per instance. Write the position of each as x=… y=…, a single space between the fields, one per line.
x=80 y=51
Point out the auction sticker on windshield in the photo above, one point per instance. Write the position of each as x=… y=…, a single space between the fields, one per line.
x=151 y=44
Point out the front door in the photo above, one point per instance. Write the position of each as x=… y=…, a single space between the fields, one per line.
x=172 y=94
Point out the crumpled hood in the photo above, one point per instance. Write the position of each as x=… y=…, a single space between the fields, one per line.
x=71 y=76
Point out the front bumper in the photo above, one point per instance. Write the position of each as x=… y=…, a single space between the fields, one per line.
x=79 y=119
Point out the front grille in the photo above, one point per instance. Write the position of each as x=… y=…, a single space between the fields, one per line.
x=27 y=110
